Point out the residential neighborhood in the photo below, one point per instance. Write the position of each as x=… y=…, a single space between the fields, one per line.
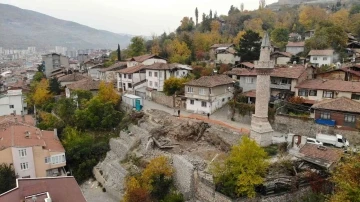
x=258 y=103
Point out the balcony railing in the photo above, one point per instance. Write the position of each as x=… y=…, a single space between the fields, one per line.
x=281 y=86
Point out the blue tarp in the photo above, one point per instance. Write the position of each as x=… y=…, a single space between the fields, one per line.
x=326 y=122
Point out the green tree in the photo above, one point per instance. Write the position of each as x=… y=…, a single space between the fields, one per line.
x=119 y=53
x=137 y=46
x=347 y=180
x=355 y=9
x=242 y=170
x=65 y=109
x=197 y=15
x=7 y=177
x=280 y=36
x=174 y=85
x=41 y=67
x=54 y=86
x=38 y=76
x=249 y=46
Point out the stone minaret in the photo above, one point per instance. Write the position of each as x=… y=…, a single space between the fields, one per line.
x=261 y=130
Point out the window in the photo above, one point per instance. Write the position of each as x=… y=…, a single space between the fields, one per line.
x=22 y=152
x=24 y=166
x=314 y=58
x=350 y=118
x=355 y=96
x=129 y=85
x=328 y=94
x=249 y=80
x=177 y=73
x=150 y=83
x=192 y=102
x=155 y=74
x=223 y=99
x=303 y=92
x=325 y=115
x=202 y=91
x=156 y=84
x=160 y=74
x=203 y=103
x=238 y=77
x=11 y=106
x=47 y=160
x=312 y=92
x=324 y=58
x=58 y=159
x=150 y=74
x=190 y=89
x=210 y=91
x=124 y=76
x=129 y=76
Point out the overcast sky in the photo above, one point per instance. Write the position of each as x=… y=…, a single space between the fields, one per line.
x=136 y=17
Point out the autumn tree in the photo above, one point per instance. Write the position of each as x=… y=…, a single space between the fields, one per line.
x=38 y=76
x=179 y=52
x=7 y=177
x=341 y=18
x=355 y=9
x=174 y=85
x=41 y=94
x=187 y=24
x=243 y=170
x=107 y=93
x=355 y=24
x=347 y=180
x=238 y=37
x=280 y=36
x=310 y=16
x=255 y=25
x=137 y=46
x=249 y=46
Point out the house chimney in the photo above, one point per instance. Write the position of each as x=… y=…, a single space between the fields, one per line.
x=55 y=134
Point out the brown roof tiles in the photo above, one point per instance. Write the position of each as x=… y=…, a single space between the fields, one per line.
x=211 y=81
x=242 y=72
x=161 y=66
x=321 y=52
x=142 y=58
x=222 y=45
x=333 y=85
x=339 y=104
x=131 y=70
x=292 y=72
x=72 y=77
x=324 y=157
x=85 y=84
x=296 y=44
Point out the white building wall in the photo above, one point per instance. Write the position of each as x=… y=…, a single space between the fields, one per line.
x=29 y=159
x=211 y=106
x=153 y=60
x=15 y=98
x=320 y=60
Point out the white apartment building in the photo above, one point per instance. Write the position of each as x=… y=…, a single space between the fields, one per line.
x=321 y=57
x=131 y=78
x=13 y=102
x=54 y=61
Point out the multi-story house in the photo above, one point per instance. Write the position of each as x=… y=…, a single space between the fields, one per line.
x=283 y=79
x=347 y=73
x=31 y=151
x=316 y=90
x=321 y=57
x=147 y=59
x=131 y=78
x=13 y=102
x=157 y=73
x=213 y=49
x=54 y=61
x=281 y=58
x=110 y=74
x=295 y=47
x=208 y=93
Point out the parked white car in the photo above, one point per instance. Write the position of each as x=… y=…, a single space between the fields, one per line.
x=313 y=141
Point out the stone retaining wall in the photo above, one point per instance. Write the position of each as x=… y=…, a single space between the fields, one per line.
x=161 y=98
x=184 y=176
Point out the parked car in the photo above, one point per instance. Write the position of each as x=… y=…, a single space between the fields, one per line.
x=313 y=141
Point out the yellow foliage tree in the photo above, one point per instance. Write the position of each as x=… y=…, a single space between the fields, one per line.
x=157 y=167
x=310 y=16
x=238 y=37
x=347 y=180
x=255 y=25
x=355 y=24
x=243 y=169
x=155 y=48
x=215 y=26
x=341 y=18
x=41 y=94
x=179 y=52
x=107 y=93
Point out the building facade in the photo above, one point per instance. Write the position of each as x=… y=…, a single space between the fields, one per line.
x=54 y=61
x=321 y=57
x=13 y=102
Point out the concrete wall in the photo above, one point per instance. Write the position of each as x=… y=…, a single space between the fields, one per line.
x=307 y=127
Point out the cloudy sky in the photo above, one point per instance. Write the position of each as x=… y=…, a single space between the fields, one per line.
x=136 y=17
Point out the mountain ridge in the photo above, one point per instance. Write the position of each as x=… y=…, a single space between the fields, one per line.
x=21 y=28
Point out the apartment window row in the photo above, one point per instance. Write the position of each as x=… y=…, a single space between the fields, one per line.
x=325 y=115
x=190 y=89
x=24 y=166
x=324 y=58
x=350 y=118
x=56 y=159
x=156 y=74
x=155 y=84
x=203 y=103
x=305 y=92
x=355 y=96
x=328 y=94
x=22 y=153
x=129 y=76
x=249 y=79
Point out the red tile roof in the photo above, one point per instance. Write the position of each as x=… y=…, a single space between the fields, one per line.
x=339 y=104
x=131 y=70
x=321 y=52
x=328 y=156
x=222 y=45
x=296 y=44
x=142 y=58
x=14 y=136
x=161 y=66
x=250 y=93
x=248 y=64
x=8 y=120
x=333 y=85
x=241 y=72
x=292 y=72
x=211 y=81
x=72 y=77
x=61 y=189
x=114 y=67
x=286 y=54
x=85 y=84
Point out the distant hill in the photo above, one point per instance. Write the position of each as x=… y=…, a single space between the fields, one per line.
x=20 y=28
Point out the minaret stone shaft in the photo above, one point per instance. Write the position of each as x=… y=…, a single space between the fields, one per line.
x=261 y=130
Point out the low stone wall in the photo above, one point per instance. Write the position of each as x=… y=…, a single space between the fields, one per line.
x=307 y=127
x=161 y=98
